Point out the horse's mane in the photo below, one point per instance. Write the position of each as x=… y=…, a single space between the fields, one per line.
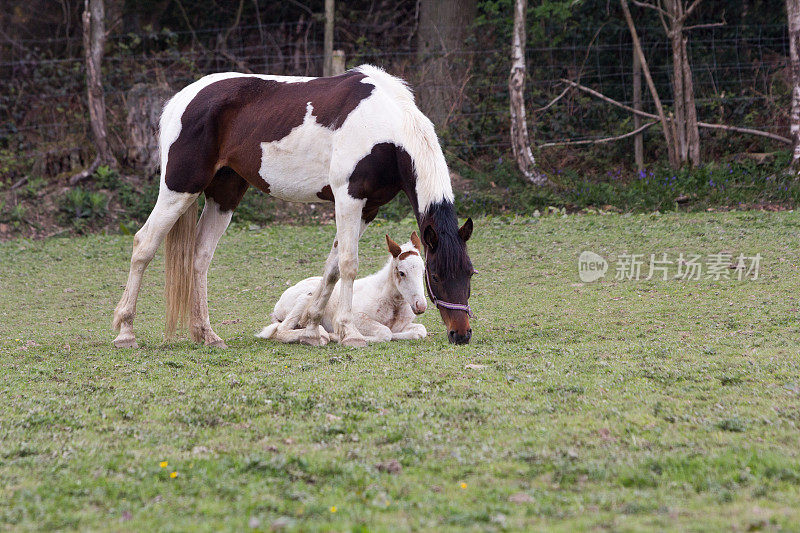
x=451 y=253
x=418 y=138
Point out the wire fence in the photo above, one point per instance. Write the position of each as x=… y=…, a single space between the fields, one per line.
x=739 y=72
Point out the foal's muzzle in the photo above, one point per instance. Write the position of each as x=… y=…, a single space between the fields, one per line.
x=456 y=338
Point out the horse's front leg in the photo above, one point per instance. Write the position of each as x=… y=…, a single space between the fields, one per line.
x=311 y=316
x=349 y=226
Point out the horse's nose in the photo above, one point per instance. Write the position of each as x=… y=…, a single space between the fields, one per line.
x=456 y=338
x=420 y=306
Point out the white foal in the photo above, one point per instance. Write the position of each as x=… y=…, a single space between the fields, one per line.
x=384 y=304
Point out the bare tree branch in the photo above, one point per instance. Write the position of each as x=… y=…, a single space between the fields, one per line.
x=749 y=131
x=709 y=25
x=649 y=6
x=690 y=9
x=604 y=139
x=609 y=100
x=706 y=125
x=553 y=101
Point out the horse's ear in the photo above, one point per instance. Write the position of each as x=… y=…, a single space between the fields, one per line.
x=415 y=241
x=465 y=231
x=430 y=237
x=394 y=248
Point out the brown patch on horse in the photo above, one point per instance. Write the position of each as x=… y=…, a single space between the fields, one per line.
x=227 y=188
x=326 y=194
x=394 y=248
x=406 y=254
x=379 y=176
x=228 y=120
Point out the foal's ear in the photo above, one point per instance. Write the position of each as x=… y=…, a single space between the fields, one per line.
x=430 y=237
x=415 y=241
x=394 y=248
x=465 y=231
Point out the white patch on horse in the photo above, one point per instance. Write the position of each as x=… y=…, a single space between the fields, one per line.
x=297 y=166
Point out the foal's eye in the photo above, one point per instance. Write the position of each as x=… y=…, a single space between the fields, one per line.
x=402 y=274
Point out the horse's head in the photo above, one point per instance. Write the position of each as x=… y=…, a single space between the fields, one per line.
x=449 y=271
x=408 y=272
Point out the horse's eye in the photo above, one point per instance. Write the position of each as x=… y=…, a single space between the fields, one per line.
x=402 y=274
x=435 y=278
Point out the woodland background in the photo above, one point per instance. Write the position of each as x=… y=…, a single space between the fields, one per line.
x=456 y=54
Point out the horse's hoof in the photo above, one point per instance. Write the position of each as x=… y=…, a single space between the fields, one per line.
x=310 y=340
x=354 y=342
x=216 y=343
x=125 y=342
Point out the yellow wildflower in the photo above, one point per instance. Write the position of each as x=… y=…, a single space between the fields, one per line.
x=173 y=475
x=463 y=485
x=333 y=508
x=163 y=464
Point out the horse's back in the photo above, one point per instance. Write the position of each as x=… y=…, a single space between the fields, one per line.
x=276 y=132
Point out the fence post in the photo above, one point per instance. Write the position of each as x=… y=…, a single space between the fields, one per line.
x=638 y=139
x=337 y=63
x=327 y=65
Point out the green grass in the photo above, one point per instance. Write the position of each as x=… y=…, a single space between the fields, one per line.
x=614 y=405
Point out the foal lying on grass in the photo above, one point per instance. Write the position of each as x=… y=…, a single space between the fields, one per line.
x=384 y=304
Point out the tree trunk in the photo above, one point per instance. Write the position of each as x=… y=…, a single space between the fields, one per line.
x=692 y=129
x=327 y=66
x=516 y=88
x=144 y=104
x=678 y=97
x=94 y=40
x=444 y=26
x=688 y=136
x=793 y=15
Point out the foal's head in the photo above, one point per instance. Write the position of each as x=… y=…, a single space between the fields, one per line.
x=449 y=273
x=408 y=272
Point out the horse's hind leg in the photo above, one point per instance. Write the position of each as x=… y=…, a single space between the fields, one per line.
x=222 y=196
x=168 y=209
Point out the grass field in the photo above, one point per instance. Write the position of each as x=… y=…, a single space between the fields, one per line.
x=623 y=405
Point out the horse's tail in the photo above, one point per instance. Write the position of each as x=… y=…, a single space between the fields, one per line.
x=179 y=270
x=419 y=139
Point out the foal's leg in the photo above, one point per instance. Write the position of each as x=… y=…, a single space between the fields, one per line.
x=372 y=330
x=169 y=207
x=412 y=331
x=223 y=194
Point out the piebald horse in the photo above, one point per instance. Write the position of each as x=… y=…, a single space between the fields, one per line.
x=356 y=140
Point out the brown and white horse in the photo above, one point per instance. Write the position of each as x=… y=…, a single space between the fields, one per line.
x=356 y=139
